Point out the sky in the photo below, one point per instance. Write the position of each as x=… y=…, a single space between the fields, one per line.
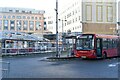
x=47 y=5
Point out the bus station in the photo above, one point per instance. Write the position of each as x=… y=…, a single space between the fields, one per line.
x=20 y=43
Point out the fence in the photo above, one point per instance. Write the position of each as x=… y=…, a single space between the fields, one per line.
x=5 y=68
x=11 y=51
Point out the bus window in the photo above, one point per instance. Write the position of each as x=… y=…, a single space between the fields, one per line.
x=83 y=43
x=105 y=44
x=109 y=43
x=114 y=43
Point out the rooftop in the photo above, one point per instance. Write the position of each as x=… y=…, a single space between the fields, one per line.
x=20 y=10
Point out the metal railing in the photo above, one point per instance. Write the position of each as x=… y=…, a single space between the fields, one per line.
x=5 y=68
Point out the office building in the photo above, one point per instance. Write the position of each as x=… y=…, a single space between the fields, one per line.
x=22 y=20
x=90 y=16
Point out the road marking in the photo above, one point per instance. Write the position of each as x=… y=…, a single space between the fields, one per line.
x=113 y=64
x=43 y=59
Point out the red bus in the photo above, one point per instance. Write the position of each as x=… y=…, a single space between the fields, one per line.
x=96 y=46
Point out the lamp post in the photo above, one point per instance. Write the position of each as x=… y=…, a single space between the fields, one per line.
x=41 y=30
x=56 y=28
x=62 y=33
x=18 y=24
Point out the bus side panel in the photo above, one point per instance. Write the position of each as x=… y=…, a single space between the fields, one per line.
x=110 y=52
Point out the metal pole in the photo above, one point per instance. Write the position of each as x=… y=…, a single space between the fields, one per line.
x=56 y=28
x=62 y=35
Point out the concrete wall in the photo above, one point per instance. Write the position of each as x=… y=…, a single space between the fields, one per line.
x=99 y=28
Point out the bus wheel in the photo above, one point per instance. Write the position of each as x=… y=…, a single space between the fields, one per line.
x=104 y=55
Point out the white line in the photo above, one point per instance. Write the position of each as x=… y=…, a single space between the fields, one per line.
x=113 y=64
x=43 y=59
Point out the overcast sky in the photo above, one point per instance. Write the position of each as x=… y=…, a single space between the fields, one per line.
x=47 y=5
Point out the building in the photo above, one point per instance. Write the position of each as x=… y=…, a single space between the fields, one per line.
x=118 y=9
x=71 y=17
x=90 y=16
x=50 y=22
x=100 y=16
x=22 y=20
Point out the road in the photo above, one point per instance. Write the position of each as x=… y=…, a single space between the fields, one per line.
x=39 y=67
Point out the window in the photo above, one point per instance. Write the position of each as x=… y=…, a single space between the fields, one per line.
x=76 y=19
x=30 y=12
x=35 y=18
x=45 y=27
x=73 y=21
x=18 y=24
x=98 y=43
x=24 y=17
x=85 y=42
x=32 y=18
x=110 y=14
x=9 y=17
x=114 y=42
x=73 y=12
x=17 y=10
x=39 y=18
x=10 y=11
x=18 y=17
x=4 y=17
x=65 y=24
x=5 y=24
x=79 y=17
x=105 y=43
x=50 y=22
x=13 y=17
x=23 y=11
x=12 y=25
x=38 y=25
x=69 y=15
x=65 y=17
x=31 y=25
x=28 y=17
x=25 y=24
x=109 y=43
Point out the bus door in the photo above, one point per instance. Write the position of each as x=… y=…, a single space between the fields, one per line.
x=99 y=47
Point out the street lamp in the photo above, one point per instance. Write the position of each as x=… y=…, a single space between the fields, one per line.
x=41 y=29
x=62 y=33
x=56 y=28
x=18 y=25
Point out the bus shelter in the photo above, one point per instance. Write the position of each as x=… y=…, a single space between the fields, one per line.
x=69 y=44
x=10 y=46
x=20 y=43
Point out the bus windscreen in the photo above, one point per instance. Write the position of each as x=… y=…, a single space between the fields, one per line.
x=85 y=42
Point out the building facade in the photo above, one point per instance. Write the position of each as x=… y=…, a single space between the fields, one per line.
x=118 y=11
x=99 y=16
x=51 y=24
x=71 y=16
x=22 y=20
x=90 y=16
